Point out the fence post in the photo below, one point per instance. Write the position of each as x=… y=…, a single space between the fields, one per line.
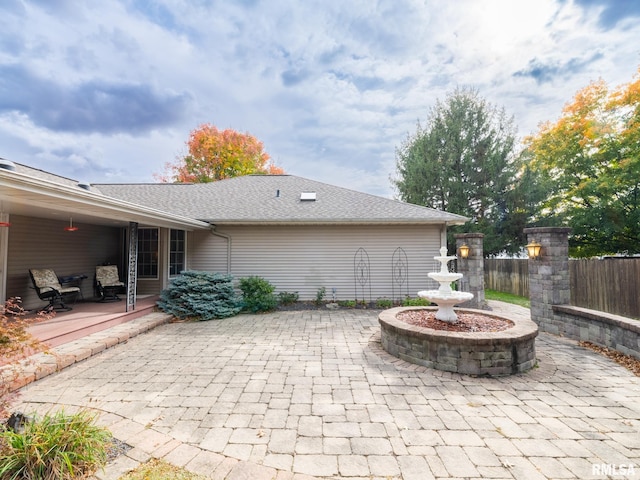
x=472 y=268
x=548 y=274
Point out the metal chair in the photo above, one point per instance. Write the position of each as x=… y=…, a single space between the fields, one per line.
x=108 y=283
x=48 y=288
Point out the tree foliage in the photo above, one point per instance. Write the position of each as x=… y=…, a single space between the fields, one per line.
x=463 y=161
x=218 y=154
x=589 y=161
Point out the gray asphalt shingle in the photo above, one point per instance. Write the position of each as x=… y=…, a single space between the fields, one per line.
x=273 y=199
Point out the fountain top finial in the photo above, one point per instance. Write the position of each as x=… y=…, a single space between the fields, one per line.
x=443 y=251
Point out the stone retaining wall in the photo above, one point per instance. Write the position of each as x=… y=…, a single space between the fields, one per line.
x=474 y=353
x=603 y=329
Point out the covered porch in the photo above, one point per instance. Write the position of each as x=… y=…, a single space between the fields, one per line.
x=51 y=222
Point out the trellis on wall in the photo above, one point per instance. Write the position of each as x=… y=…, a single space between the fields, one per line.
x=399 y=274
x=362 y=274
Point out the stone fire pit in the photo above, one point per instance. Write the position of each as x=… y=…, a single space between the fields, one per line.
x=474 y=353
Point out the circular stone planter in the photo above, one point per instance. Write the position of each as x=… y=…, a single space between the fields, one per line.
x=473 y=353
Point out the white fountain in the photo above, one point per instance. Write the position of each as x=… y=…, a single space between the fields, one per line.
x=445 y=297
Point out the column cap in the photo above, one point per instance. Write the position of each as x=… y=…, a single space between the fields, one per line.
x=535 y=230
x=469 y=235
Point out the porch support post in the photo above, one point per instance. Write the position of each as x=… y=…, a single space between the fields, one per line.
x=132 y=273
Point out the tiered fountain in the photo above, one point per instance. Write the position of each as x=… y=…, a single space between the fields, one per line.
x=473 y=351
x=445 y=297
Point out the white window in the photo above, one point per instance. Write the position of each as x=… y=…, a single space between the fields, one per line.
x=177 y=252
x=148 y=252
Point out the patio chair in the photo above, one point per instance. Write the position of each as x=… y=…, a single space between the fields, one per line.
x=108 y=283
x=48 y=288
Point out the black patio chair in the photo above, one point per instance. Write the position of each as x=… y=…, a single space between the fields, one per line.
x=48 y=288
x=108 y=284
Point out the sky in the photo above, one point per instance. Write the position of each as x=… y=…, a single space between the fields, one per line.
x=108 y=91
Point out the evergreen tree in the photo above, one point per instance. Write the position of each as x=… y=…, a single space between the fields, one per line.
x=463 y=161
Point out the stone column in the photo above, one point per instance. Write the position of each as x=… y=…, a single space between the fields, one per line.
x=472 y=268
x=548 y=274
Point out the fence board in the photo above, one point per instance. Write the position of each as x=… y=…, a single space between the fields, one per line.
x=510 y=275
x=609 y=285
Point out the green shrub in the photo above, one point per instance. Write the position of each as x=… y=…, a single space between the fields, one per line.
x=287 y=298
x=347 y=303
x=320 y=295
x=415 y=302
x=201 y=295
x=257 y=294
x=384 y=303
x=59 y=446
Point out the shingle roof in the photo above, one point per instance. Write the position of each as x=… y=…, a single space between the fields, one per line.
x=254 y=199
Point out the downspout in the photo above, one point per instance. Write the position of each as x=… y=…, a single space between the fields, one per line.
x=228 y=239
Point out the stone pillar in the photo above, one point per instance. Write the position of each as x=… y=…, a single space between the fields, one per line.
x=548 y=274
x=472 y=268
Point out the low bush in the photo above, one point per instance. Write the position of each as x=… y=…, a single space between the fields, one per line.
x=320 y=294
x=384 y=303
x=59 y=446
x=288 y=298
x=415 y=302
x=16 y=344
x=257 y=294
x=201 y=296
x=347 y=303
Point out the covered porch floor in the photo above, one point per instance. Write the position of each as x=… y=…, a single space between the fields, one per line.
x=89 y=317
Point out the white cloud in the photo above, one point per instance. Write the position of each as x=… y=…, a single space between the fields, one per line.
x=331 y=88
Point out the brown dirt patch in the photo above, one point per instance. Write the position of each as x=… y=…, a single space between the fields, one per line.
x=467 y=322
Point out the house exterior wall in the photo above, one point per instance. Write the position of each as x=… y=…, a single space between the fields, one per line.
x=41 y=243
x=305 y=258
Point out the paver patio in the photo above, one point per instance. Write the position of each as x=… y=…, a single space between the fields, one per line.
x=289 y=395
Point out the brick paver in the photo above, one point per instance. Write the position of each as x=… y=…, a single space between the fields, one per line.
x=302 y=395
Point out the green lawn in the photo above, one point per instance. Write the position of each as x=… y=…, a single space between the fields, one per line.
x=506 y=297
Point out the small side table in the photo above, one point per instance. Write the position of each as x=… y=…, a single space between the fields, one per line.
x=74 y=280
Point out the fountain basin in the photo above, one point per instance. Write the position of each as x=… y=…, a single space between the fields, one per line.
x=500 y=353
x=446 y=301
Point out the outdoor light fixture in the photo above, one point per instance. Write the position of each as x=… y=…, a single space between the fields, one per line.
x=533 y=250
x=464 y=250
x=71 y=228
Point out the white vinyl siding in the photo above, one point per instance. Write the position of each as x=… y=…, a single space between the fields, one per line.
x=306 y=258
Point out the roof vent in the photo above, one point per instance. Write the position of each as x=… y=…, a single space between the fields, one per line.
x=7 y=165
x=308 y=196
x=84 y=185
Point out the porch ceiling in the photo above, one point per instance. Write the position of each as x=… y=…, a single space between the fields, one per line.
x=28 y=196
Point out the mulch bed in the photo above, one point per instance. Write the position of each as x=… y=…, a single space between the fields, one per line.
x=311 y=305
x=467 y=322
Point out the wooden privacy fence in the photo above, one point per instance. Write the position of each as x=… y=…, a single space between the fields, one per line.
x=510 y=275
x=609 y=285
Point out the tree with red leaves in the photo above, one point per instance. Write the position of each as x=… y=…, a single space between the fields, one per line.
x=217 y=154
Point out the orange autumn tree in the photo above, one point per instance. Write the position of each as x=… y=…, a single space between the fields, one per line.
x=590 y=162
x=217 y=154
